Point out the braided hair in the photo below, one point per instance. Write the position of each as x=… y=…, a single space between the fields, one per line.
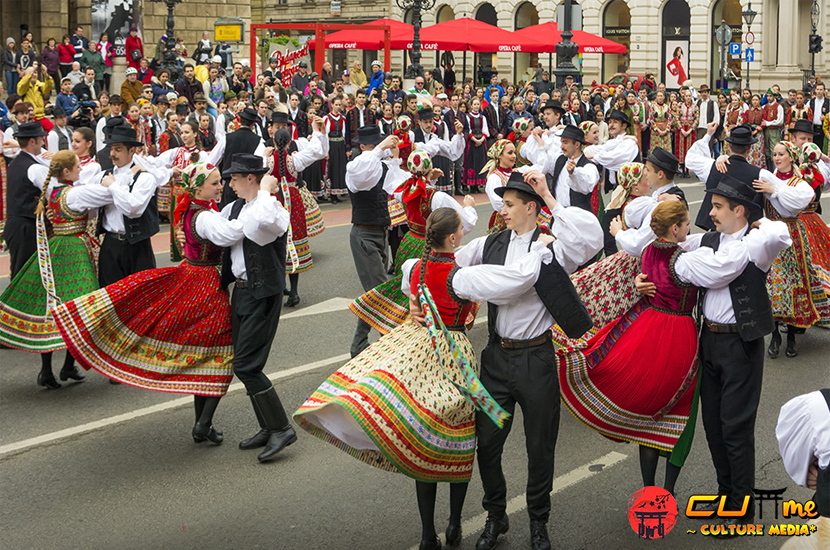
x=441 y=223
x=63 y=160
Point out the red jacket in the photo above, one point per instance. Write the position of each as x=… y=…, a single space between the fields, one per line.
x=66 y=53
x=133 y=44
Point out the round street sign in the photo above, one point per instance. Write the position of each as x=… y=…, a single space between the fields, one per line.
x=724 y=34
x=750 y=37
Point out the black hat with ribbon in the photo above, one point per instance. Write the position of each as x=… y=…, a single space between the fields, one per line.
x=124 y=134
x=573 y=132
x=661 y=158
x=741 y=135
x=616 y=114
x=516 y=182
x=369 y=135
x=736 y=190
x=244 y=163
x=30 y=130
x=554 y=104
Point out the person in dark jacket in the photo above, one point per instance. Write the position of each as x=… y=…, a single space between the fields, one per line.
x=188 y=86
x=50 y=59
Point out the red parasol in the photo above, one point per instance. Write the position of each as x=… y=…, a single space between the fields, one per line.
x=477 y=36
x=549 y=34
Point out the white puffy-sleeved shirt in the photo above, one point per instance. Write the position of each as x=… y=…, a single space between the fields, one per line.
x=706 y=269
x=579 y=237
x=614 y=154
x=262 y=220
x=364 y=171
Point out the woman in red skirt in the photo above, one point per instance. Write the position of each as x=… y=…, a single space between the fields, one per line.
x=166 y=329
x=636 y=379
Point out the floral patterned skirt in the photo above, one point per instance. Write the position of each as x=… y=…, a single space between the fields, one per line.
x=166 y=329
x=313 y=216
x=607 y=290
x=798 y=296
x=394 y=408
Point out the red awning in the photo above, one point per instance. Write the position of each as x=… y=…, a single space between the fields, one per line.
x=356 y=39
x=588 y=43
x=477 y=36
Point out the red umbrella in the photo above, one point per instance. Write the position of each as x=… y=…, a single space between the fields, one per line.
x=355 y=39
x=588 y=43
x=477 y=36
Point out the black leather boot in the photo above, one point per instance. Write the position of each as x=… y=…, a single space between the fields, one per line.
x=281 y=434
x=261 y=437
x=493 y=528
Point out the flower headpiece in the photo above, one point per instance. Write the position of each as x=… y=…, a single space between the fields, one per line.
x=419 y=164
x=493 y=154
x=193 y=176
x=628 y=176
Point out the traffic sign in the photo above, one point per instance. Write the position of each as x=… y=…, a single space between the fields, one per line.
x=750 y=37
x=723 y=34
x=750 y=55
x=734 y=48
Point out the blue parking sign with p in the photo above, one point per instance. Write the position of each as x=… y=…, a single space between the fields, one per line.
x=734 y=48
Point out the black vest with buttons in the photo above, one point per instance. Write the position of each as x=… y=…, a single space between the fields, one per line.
x=580 y=200
x=140 y=228
x=371 y=207
x=21 y=193
x=753 y=311
x=264 y=265
x=554 y=288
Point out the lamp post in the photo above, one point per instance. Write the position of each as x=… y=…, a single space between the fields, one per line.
x=168 y=57
x=814 y=13
x=566 y=49
x=749 y=16
x=416 y=6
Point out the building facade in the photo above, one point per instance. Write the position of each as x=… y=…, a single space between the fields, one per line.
x=656 y=32
x=53 y=18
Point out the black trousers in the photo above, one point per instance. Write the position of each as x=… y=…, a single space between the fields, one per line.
x=119 y=259
x=21 y=236
x=253 y=326
x=527 y=377
x=732 y=373
x=609 y=242
x=818 y=136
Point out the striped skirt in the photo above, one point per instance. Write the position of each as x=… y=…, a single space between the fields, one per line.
x=394 y=408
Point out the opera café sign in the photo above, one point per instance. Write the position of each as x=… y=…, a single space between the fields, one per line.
x=288 y=60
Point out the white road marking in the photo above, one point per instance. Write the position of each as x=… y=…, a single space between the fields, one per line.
x=473 y=527
x=167 y=405
x=695 y=202
x=686 y=185
x=334 y=304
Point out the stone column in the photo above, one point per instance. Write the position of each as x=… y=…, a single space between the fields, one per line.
x=646 y=39
x=700 y=46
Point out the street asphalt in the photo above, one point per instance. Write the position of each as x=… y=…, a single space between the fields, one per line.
x=95 y=466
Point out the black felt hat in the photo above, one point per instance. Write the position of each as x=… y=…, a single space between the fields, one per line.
x=279 y=117
x=736 y=190
x=661 y=158
x=742 y=135
x=30 y=130
x=425 y=113
x=248 y=114
x=616 y=114
x=573 y=132
x=554 y=104
x=802 y=125
x=516 y=182
x=244 y=163
x=124 y=134
x=369 y=135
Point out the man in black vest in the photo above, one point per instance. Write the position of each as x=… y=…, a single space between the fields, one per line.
x=619 y=150
x=243 y=140
x=820 y=105
x=700 y=161
x=22 y=196
x=571 y=177
x=133 y=216
x=736 y=319
x=256 y=262
x=370 y=180
x=518 y=365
